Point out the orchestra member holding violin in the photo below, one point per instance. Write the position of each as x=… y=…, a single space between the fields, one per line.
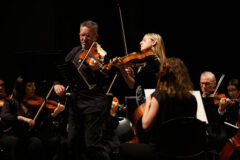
x=215 y=108
x=20 y=125
x=231 y=149
x=233 y=112
x=90 y=135
x=144 y=75
x=171 y=99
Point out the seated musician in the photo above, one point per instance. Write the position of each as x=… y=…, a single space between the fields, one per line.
x=232 y=114
x=171 y=99
x=23 y=126
x=215 y=108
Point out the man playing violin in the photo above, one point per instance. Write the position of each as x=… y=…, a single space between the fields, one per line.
x=90 y=134
x=215 y=108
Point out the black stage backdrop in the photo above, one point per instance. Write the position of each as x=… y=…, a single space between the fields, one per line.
x=35 y=35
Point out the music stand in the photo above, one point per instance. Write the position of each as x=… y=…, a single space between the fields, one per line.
x=74 y=77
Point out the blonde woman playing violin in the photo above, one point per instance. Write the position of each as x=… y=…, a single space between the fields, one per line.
x=140 y=77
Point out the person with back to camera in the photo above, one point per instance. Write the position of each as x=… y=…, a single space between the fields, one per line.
x=171 y=99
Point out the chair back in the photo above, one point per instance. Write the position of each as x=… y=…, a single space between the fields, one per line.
x=182 y=138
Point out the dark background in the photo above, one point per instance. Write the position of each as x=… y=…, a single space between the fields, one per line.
x=35 y=35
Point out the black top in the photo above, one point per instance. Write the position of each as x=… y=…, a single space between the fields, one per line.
x=214 y=118
x=146 y=78
x=89 y=100
x=12 y=125
x=170 y=108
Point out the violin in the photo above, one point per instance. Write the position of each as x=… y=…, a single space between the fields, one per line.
x=217 y=98
x=37 y=101
x=134 y=58
x=88 y=54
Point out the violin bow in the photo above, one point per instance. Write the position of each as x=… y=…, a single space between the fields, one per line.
x=124 y=44
x=86 y=55
x=219 y=82
x=114 y=78
x=41 y=107
x=84 y=79
x=122 y=29
x=78 y=68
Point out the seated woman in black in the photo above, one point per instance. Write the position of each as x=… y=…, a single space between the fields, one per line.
x=171 y=99
x=22 y=128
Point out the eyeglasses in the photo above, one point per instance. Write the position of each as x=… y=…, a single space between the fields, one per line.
x=205 y=83
x=87 y=35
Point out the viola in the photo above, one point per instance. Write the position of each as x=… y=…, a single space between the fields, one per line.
x=134 y=58
x=37 y=101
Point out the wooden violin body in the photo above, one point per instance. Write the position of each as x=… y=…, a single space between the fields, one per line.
x=133 y=58
x=37 y=101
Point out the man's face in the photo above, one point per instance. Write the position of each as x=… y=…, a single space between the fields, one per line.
x=207 y=84
x=87 y=37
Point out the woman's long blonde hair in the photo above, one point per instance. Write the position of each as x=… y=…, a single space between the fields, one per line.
x=159 y=48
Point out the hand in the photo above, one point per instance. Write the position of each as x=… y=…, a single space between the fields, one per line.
x=114 y=108
x=224 y=102
x=31 y=123
x=117 y=62
x=58 y=110
x=130 y=71
x=93 y=64
x=59 y=90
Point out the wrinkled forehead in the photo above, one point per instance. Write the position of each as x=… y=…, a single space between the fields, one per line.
x=206 y=78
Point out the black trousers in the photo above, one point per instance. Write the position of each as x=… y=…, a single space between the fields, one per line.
x=139 y=151
x=91 y=137
x=15 y=148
